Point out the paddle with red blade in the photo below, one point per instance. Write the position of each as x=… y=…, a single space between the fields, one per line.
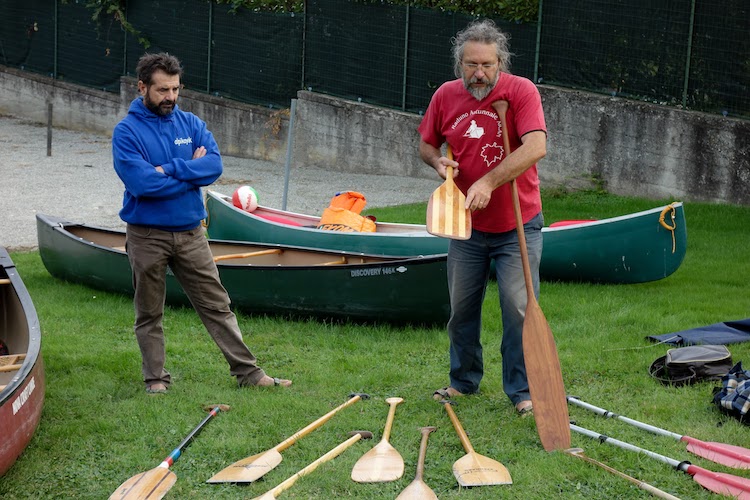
x=539 y=350
x=718 y=482
x=155 y=483
x=724 y=454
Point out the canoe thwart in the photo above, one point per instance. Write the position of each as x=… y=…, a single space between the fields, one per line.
x=248 y=254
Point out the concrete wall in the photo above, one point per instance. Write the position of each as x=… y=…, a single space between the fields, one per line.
x=627 y=147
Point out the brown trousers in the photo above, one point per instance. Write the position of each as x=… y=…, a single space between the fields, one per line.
x=152 y=254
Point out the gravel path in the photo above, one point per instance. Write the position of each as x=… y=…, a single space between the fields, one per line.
x=78 y=182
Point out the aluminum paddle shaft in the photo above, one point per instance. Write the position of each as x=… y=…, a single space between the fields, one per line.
x=724 y=454
x=723 y=484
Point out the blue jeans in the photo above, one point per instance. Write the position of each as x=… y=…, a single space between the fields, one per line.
x=468 y=275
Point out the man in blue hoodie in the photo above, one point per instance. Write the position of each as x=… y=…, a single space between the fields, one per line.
x=164 y=156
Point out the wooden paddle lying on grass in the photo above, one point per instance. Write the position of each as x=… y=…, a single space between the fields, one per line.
x=474 y=469
x=249 y=469
x=155 y=483
x=539 y=350
x=578 y=453
x=418 y=489
x=275 y=492
x=447 y=215
x=383 y=462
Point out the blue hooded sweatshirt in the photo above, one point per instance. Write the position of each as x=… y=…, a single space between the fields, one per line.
x=143 y=140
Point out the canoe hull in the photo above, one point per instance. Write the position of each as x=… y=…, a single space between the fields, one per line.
x=394 y=290
x=634 y=248
x=22 y=398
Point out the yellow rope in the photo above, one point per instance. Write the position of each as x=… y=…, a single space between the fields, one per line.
x=666 y=226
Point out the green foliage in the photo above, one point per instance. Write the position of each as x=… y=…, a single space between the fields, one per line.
x=113 y=10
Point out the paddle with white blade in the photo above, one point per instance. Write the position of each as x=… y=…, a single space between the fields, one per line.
x=251 y=468
x=724 y=454
x=338 y=450
x=718 y=482
x=155 y=483
x=418 y=489
x=383 y=462
x=474 y=469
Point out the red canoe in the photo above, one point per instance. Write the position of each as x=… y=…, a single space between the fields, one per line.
x=21 y=365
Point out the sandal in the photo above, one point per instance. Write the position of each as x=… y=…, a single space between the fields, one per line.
x=524 y=408
x=158 y=388
x=446 y=393
x=276 y=382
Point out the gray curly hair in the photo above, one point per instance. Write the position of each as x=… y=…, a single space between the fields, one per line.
x=482 y=31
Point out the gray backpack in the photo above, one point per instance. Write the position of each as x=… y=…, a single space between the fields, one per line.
x=691 y=364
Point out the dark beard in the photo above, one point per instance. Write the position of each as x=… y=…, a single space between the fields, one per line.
x=162 y=109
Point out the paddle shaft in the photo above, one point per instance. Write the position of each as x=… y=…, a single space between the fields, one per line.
x=285 y=485
x=423 y=451
x=172 y=458
x=729 y=455
x=578 y=453
x=308 y=429
x=393 y=402
x=717 y=482
x=540 y=354
x=459 y=429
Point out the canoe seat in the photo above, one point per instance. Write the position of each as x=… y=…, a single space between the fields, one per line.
x=11 y=362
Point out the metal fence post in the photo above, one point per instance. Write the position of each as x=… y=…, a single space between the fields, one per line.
x=689 y=52
x=406 y=58
x=289 y=142
x=538 y=42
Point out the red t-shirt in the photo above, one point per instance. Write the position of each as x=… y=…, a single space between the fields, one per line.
x=472 y=128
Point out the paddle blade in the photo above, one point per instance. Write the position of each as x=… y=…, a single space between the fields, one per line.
x=474 y=469
x=447 y=215
x=417 y=490
x=723 y=484
x=152 y=485
x=381 y=464
x=248 y=469
x=725 y=454
x=545 y=380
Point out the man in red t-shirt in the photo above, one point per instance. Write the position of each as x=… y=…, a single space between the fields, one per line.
x=461 y=113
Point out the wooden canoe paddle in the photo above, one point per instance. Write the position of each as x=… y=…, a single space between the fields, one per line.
x=251 y=468
x=418 y=489
x=356 y=436
x=383 y=462
x=447 y=215
x=155 y=483
x=539 y=351
x=474 y=469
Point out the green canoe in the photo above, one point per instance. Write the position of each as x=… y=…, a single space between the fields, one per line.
x=267 y=278
x=633 y=248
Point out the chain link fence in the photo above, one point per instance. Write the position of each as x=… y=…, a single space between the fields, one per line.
x=685 y=53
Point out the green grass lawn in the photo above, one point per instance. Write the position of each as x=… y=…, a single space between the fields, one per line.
x=99 y=427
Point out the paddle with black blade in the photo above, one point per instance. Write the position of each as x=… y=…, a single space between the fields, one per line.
x=721 y=483
x=539 y=350
x=155 y=483
x=474 y=469
x=724 y=454
x=251 y=468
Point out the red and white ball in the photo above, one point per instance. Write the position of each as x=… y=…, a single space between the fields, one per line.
x=245 y=198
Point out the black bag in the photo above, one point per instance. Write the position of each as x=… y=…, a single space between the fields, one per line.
x=695 y=363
